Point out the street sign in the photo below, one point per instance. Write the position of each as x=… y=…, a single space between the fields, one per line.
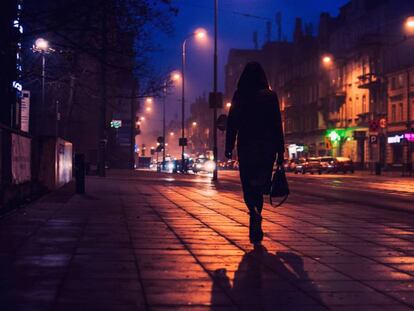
x=222 y=122
x=373 y=139
x=182 y=141
x=215 y=100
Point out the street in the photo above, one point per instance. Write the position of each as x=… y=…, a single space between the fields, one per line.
x=153 y=241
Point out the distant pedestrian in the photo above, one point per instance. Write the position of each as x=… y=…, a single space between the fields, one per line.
x=255 y=120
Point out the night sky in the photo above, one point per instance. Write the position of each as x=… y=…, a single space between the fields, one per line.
x=235 y=31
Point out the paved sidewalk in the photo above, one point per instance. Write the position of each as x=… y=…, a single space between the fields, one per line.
x=148 y=241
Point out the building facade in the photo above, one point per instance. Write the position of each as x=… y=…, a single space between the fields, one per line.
x=343 y=92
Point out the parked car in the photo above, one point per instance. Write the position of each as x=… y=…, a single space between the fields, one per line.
x=341 y=164
x=310 y=165
x=290 y=165
x=326 y=162
x=231 y=165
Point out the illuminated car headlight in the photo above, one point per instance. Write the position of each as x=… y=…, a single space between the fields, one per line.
x=170 y=166
x=210 y=166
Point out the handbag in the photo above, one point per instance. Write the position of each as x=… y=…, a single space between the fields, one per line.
x=280 y=186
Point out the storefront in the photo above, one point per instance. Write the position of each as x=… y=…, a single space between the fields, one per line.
x=399 y=147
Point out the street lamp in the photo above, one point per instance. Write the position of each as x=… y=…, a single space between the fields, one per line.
x=194 y=124
x=148 y=109
x=409 y=24
x=42 y=46
x=175 y=76
x=327 y=60
x=199 y=34
x=228 y=105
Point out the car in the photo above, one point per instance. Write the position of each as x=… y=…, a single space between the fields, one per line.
x=341 y=164
x=203 y=164
x=231 y=165
x=290 y=165
x=326 y=161
x=310 y=165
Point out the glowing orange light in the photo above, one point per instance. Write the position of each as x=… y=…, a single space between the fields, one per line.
x=410 y=23
x=149 y=100
x=194 y=123
x=176 y=76
x=200 y=33
x=148 y=109
x=327 y=60
x=228 y=105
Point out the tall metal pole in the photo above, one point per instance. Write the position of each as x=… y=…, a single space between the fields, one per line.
x=43 y=110
x=163 y=125
x=215 y=153
x=409 y=162
x=183 y=106
x=102 y=119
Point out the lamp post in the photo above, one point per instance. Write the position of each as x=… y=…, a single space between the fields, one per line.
x=215 y=152
x=42 y=46
x=199 y=34
x=175 y=76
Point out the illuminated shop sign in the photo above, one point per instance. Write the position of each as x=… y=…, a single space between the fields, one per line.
x=409 y=137
x=293 y=148
x=396 y=139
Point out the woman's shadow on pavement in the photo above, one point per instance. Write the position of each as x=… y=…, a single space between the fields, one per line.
x=264 y=281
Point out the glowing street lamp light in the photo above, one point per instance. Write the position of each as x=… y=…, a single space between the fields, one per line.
x=171 y=133
x=142 y=118
x=148 y=109
x=409 y=24
x=194 y=123
x=327 y=60
x=149 y=100
x=176 y=76
x=200 y=33
x=228 y=105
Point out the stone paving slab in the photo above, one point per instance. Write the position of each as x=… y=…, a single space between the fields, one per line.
x=147 y=241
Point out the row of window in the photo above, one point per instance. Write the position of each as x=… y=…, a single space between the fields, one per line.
x=398 y=81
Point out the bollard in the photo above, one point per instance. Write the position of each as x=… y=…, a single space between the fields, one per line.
x=377 y=168
x=80 y=173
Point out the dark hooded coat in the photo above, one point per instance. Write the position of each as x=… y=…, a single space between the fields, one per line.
x=255 y=120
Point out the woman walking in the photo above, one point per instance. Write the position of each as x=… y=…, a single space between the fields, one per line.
x=255 y=120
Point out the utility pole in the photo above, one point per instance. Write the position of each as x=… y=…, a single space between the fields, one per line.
x=183 y=106
x=163 y=125
x=102 y=120
x=132 y=133
x=215 y=153
x=409 y=162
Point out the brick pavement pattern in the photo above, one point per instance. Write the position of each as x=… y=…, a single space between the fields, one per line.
x=142 y=241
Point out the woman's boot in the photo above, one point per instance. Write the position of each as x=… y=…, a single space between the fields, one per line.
x=256 y=232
